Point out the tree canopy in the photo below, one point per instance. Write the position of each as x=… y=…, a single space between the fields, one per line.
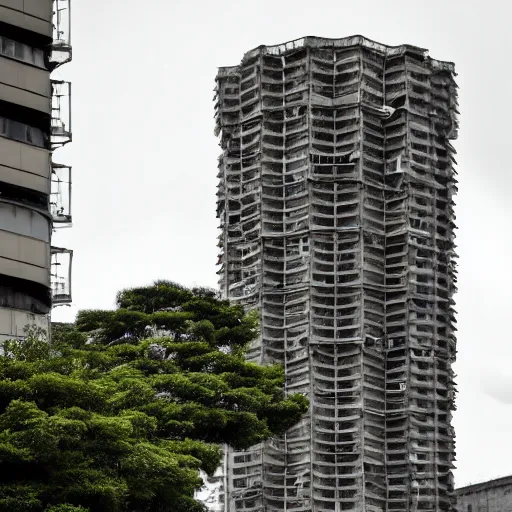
x=120 y=410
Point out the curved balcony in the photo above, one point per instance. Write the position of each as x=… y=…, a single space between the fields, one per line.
x=61 y=47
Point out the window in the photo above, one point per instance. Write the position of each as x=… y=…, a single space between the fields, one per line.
x=22 y=132
x=23 y=52
x=470 y=508
x=17 y=131
x=19 y=51
x=240 y=483
x=7 y=47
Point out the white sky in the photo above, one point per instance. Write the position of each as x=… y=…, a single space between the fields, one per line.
x=144 y=159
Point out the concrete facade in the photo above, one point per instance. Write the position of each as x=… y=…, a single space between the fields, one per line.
x=492 y=496
x=335 y=196
x=35 y=194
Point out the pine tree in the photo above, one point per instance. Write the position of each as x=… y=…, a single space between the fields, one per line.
x=122 y=408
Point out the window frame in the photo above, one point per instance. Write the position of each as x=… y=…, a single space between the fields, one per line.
x=12 y=49
x=31 y=135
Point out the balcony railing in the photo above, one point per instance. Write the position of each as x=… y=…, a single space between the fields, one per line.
x=60 y=197
x=61 y=113
x=61 y=47
x=62 y=260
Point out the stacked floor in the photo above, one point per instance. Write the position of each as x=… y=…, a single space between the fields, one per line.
x=335 y=201
x=35 y=191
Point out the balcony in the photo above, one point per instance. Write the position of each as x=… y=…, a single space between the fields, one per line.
x=61 y=114
x=61 y=46
x=60 y=196
x=61 y=267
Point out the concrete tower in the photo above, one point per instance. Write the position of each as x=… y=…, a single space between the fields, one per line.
x=335 y=201
x=35 y=192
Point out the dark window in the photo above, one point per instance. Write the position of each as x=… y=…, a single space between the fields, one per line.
x=17 y=131
x=22 y=132
x=240 y=483
x=8 y=47
x=22 y=52
x=29 y=134
x=23 y=195
x=19 y=51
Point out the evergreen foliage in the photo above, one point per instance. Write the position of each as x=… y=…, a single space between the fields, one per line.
x=109 y=417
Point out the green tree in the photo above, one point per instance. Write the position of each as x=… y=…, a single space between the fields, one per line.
x=122 y=408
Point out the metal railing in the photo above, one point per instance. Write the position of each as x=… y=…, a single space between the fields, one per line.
x=61 y=46
x=60 y=196
x=61 y=266
x=61 y=113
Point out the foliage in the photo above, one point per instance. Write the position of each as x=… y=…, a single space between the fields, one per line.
x=107 y=419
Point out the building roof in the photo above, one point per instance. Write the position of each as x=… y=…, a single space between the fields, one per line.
x=485 y=486
x=344 y=42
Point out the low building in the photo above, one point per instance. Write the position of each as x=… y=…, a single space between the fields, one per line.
x=492 y=496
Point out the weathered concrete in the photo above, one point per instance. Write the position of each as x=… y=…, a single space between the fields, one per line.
x=492 y=496
x=335 y=201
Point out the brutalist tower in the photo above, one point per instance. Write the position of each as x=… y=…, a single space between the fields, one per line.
x=336 y=182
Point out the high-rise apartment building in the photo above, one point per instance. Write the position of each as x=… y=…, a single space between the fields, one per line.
x=35 y=192
x=335 y=200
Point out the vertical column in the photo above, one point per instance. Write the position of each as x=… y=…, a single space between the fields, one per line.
x=444 y=106
x=227 y=114
x=347 y=280
x=323 y=353
x=273 y=260
x=297 y=445
x=419 y=320
x=285 y=232
x=398 y=359
x=373 y=232
x=244 y=221
x=423 y=406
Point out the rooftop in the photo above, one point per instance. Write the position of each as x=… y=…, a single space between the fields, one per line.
x=485 y=486
x=344 y=42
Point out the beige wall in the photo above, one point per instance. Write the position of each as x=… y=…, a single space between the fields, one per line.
x=13 y=321
x=24 y=246
x=40 y=8
x=25 y=179
x=33 y=15
x=25 y=85
x=21 y=270
x=25 y=98
x=24 y=258
x=23 y=221
x=19 y=156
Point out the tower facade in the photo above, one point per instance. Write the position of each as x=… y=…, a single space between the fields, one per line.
x=335 y=200
x=35 y=192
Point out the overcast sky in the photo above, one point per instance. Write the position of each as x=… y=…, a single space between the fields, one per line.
x=144 y=158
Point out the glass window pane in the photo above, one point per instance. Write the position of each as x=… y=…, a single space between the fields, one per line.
x=19 y=51
x=17 y=131
x=38 y=57
x=36 y=136
x=8 y=47
x=28 y=54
